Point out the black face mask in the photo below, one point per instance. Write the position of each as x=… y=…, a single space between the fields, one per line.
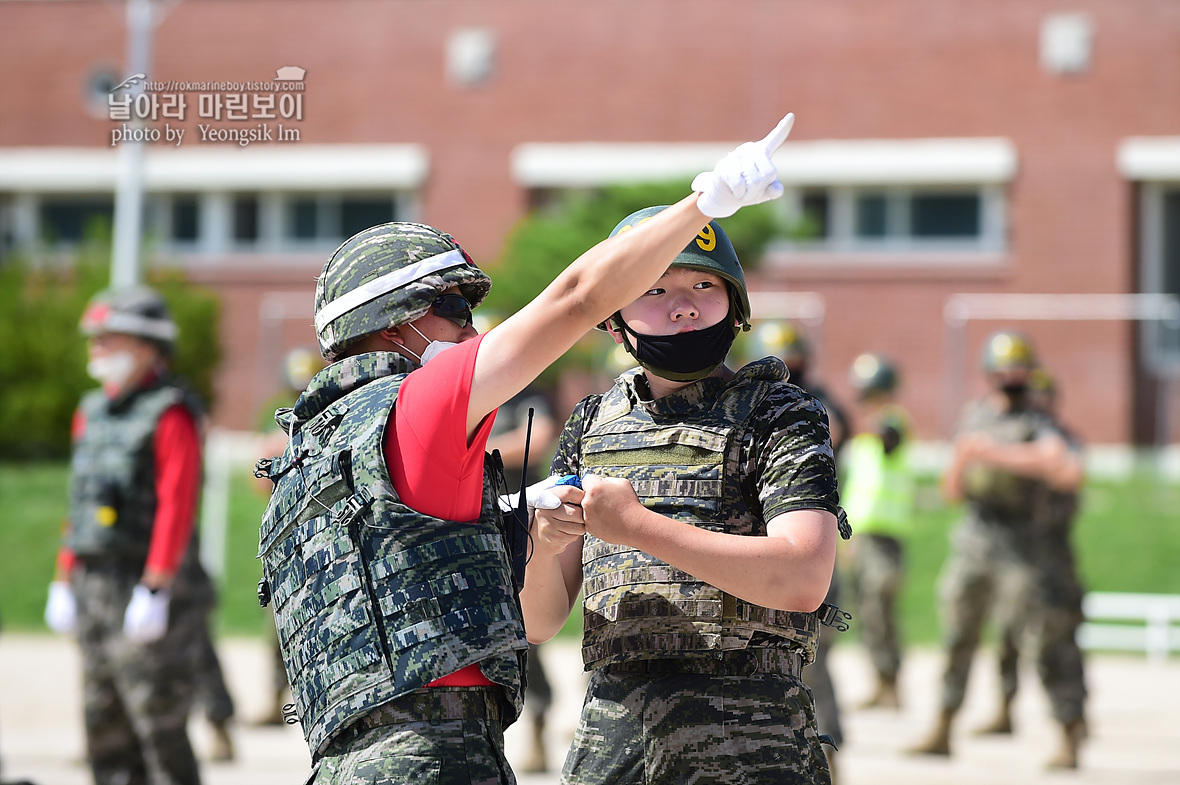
x=1016 y=393
x=683 y=357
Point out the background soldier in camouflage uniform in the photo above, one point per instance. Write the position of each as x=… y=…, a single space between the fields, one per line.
x=391 y=572
x=1055 y=611
x=705 y=536
x=1005 y=454
x=878 y=495
x=785 y=340
x=137 y=596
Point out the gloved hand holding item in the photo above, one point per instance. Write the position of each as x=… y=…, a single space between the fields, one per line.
x=744 y=177
x=536 y=496
x=146 y=619
x=61 y=611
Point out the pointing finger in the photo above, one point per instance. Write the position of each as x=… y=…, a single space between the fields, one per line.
x=775 y=138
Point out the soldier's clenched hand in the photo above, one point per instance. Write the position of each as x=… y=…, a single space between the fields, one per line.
x=611 y=508
x=554 y=530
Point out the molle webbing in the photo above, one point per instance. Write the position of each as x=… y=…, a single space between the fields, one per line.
x=637 y=607
x=373 y=600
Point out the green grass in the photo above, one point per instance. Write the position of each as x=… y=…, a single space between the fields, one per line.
x=1127 y=537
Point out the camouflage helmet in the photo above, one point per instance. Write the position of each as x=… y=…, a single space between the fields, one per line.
x=139 y=311
x=1007 y=350
x=389 y=275
x=872 y=373
x=1042 y=382
x=710 y=252
x=779 y=338
x=300 y=366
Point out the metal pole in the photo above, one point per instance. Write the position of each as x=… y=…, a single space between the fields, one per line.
x=125 y=270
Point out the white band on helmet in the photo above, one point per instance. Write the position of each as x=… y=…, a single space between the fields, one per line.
x=373 y=289
x=135 y=324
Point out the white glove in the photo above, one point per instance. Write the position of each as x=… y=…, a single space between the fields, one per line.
x=61 y=612
x=744 y=177
x=536 y=497
x=146 y=619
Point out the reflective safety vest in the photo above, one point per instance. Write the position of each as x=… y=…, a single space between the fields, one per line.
x=878 y=491
x=637 y=607
x=372 y=599
x=113 y=473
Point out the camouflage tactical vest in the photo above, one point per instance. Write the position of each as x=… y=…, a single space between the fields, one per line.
x=371 y=599
x=112 y=473
x=994 y=493
x=637 y=607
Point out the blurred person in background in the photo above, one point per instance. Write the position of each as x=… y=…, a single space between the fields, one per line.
x=128 y=579
x=1005 y=453
x=1056 y=600
x=393 y=575
x=703 y=539
x=785 y=340
x=508 y=437
x=877 y=492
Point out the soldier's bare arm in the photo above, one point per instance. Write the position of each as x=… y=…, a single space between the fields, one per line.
x=613 y=273
x=554 y=574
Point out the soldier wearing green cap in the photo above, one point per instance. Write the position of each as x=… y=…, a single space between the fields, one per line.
x=702 y=538
x=1007 y=454
x=392 y=572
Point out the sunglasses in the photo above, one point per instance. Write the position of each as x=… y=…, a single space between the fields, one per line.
x=452 y=307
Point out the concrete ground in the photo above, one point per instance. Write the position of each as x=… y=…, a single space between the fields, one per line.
x=1134 y=716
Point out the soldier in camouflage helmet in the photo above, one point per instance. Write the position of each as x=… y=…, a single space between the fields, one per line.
x=878 y=494
x=129 y=583
x=703 y=538
x=787 y=341
x=1056 y=601
x=1007 y=454
x=385 y=556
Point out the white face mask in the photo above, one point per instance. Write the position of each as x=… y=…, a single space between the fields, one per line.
x=433 y=348
x=112 y=369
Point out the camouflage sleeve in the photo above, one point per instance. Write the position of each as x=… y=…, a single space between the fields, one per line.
x=568 y=457
x=793 y=466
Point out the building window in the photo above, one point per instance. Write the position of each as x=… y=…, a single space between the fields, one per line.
x=245 y=218
x=871 y=215
x=358 y=214
x=70 y=219
x=945 y=215
x=895 y=219
x=186 y=218
x=318 y=219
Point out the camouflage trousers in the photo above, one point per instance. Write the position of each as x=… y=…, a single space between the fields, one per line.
x=1055 y=613
x=538 y=694
x=652 y=728
x=819 y=678
x=137 y=696
x=432 y=736
x=212 y=692
x=878 y=570
x=987 y=572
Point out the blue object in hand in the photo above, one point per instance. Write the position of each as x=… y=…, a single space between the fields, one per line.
x=570 y=479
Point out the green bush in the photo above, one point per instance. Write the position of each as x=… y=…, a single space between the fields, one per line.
x=43 y=364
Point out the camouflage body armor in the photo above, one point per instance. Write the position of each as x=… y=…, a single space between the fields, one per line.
x=995 y=494
x=640 y=608
x=112 y=471
x=371 y=599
